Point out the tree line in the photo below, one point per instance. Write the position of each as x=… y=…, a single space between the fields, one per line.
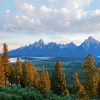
x=26 y=75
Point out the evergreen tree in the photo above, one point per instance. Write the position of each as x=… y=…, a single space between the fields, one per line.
x=76 y=80
x=59 y=85
x=26 y=75
x=29 y=74
x=36 y=82
x=2 y=73
x=18 y=71
x=5 y=60
x=22 y=81
x=11 y=74
x=48 y=82
x=79 y=88
x=99 y=87
x=45 y=80
x=5 y=54
x=90 y=75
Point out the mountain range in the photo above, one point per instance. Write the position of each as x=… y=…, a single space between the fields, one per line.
x=52 y=49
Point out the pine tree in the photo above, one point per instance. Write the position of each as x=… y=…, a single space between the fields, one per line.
x=5 y=54
x=18 y=71
x=36 y=82
x=48 y=82
x=29 y=74
x=76 y=80
x=2 y=73
x=11 y=74
x=79 y=88
x=59 y=85
x=90 y=75
x=26 y=74
x=23 y=76
x=5 y=60
x=45 y=80
x=99 y=87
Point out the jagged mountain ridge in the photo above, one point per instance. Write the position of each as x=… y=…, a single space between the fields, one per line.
x=53 y=49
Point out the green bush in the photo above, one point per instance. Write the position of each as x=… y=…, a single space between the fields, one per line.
x=18 y=93
x=5 y=96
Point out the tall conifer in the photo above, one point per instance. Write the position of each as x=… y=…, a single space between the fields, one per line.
x=80 y=90
x=45 y=80
x=2 y=73
x=11 y=74
x=90 y=75
x=59 y=85
x=5 y=60
x=29 y=73
x=36 y=82
x=18 y=71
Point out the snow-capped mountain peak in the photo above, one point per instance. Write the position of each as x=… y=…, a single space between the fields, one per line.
x=39 y=43
x=39 y=48
x=90 y=42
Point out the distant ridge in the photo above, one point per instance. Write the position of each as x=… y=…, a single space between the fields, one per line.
x=69 y=50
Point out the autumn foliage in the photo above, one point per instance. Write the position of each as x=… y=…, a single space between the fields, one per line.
x=59 y=84
x=26 y=75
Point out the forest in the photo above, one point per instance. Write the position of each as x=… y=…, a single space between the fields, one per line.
x=23 y=81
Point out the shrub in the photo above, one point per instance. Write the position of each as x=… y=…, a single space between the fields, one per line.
x=5 y=96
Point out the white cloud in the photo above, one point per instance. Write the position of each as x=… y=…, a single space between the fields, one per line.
x=80 y=13
x=45 y=9
x=7 y=11
x=73 y=4
x=18 y=23
x=61 y=21
x=25 y=7
x=64 y=11
x=48 y=20
x=48 y=10
x=96 y=12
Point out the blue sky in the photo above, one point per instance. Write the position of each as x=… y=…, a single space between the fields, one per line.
x=25 y=21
